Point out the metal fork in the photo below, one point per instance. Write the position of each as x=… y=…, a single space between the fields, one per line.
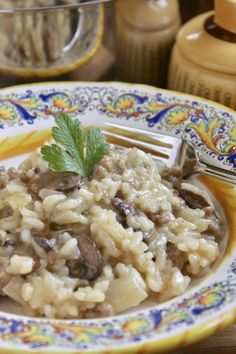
x=168 y=149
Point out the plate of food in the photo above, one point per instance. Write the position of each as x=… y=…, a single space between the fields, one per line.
x=103 y=247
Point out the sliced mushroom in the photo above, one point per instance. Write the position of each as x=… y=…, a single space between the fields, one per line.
x=194 y=197
x=89 y=264
x=9 y=242
x=13 y=245
x=161 y=218
x=12 y=173
x=173 y=175
x=11 y=239
x=123 y=208
x=214 y=229
x=59 y=181
x=6 y=212
x=7 y=175
x=151 y=239
x=42 y=241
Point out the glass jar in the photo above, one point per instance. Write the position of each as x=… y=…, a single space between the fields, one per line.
x=51 y=39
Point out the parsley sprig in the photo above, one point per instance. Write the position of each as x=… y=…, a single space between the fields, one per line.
x=75 y=150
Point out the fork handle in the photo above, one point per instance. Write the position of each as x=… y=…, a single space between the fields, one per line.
x=213 y=172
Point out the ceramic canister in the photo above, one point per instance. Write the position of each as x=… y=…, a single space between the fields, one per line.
x=203 y=60
x=145 y=32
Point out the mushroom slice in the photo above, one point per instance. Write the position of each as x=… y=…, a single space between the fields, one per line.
x=89 y=264
x=123 y=208
x=173 y=175
x=6 y=212
x=194 y=197
x=161 y=218
x=59 y=181
x=10 y=240
x=214 y=229
x=42 y=241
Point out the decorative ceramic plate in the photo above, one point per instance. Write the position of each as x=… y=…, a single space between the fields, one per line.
x=26 y=116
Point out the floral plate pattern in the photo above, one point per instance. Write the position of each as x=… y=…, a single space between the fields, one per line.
x=26 y=114
x=212 y=131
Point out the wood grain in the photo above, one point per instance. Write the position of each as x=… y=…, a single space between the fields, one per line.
x=222 y=342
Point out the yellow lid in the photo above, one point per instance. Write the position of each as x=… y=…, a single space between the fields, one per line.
x=225 y=14
x=204 y=49
x=148 y=14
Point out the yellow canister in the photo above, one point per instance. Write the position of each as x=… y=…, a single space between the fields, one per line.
x=203 y=60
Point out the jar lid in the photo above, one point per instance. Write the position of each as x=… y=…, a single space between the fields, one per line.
x=148 y=14
x=205 y=49
x=225 y=14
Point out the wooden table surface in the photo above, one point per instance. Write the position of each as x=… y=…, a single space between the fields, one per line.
x=222 y=342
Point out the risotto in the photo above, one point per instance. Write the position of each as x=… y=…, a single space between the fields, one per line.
x=78 y=248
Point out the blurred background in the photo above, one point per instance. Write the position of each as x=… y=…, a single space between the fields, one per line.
x=125 y=40
x=33 y=42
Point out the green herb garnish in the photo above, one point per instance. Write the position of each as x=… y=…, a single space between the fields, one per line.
x=75 y=150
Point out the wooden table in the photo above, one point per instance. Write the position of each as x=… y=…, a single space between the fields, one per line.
x=222 y=342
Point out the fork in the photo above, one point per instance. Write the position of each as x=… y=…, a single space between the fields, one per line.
x=167 y=149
